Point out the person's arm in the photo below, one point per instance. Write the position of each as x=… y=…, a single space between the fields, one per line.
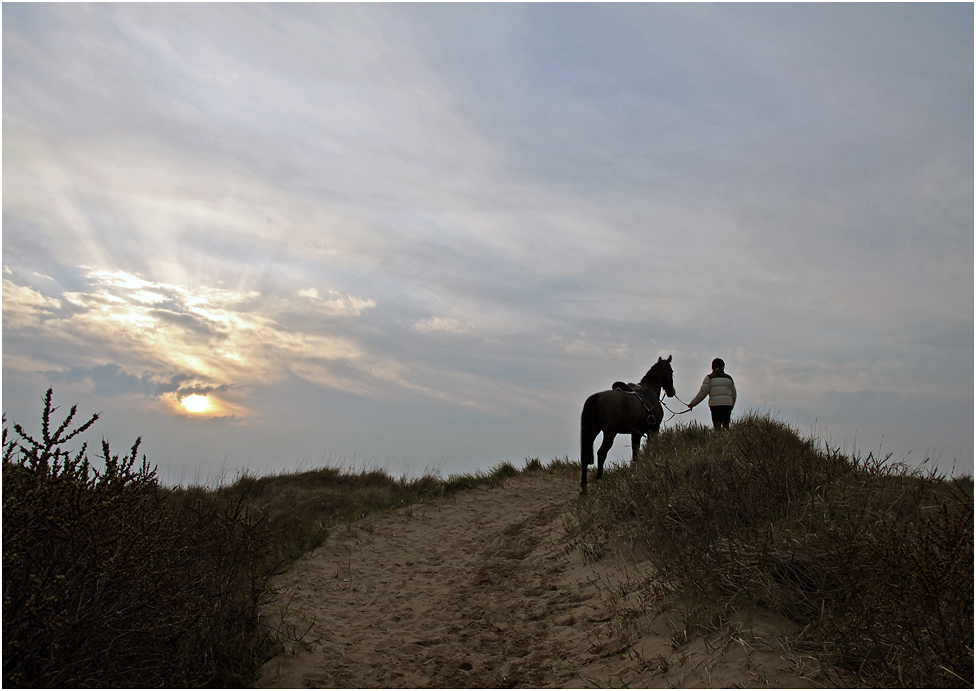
x=700 y=396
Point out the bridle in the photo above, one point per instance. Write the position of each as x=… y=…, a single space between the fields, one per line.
x=673 y=414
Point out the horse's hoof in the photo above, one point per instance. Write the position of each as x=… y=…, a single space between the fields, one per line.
x=583 y=491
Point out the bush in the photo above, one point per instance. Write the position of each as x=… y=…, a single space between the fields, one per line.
x=873 y=558
x=106 y=583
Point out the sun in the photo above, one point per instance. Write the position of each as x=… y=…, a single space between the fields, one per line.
x=195 y=403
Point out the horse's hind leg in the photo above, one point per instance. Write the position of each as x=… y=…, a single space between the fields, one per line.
x=587 y=437
x=601 y=454
x=589 y=429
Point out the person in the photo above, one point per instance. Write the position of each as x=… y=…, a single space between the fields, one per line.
x=720 y=389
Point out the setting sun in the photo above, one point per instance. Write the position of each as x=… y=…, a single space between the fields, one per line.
x=195 y=403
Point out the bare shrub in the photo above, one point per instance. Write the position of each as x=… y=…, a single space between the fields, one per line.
x=107 y=584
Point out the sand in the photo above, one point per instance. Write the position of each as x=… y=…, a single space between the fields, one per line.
x=481 y=590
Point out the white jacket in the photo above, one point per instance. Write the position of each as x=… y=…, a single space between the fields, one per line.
x=719 y=388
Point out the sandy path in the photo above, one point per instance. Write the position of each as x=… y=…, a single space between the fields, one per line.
x=479 y=590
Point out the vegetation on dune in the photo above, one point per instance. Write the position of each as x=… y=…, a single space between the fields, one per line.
x=874 y=559
x=110 y=579
x=301 y=508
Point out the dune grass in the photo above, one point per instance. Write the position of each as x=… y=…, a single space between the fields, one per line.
x=873 y=558
x=301 y=509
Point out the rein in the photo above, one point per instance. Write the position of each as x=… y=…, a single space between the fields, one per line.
x=673 y=414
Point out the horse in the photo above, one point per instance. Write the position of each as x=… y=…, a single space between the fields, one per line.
x=617 y=412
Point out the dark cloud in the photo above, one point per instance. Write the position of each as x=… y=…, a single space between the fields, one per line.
x=113 y=380
x=203 y=390
x=190 y=322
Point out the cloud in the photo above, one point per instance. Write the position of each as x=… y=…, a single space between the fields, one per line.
x=586 y=348
x=23 y=306
x=337 y=304
x=215 y=337
x=445 y=324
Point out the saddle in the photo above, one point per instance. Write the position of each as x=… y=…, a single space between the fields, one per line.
x=645 y=395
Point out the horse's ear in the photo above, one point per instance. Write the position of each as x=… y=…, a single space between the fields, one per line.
x=669 y=359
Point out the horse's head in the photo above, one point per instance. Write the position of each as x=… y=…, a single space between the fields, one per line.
x=661 y=376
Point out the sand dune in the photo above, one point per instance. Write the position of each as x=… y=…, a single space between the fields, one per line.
x=480 y=590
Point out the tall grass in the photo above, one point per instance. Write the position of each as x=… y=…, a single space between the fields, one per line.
x=873 y=558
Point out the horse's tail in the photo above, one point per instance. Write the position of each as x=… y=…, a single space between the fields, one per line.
x=589 y=428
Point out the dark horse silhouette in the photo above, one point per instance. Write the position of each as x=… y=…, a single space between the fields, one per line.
x=617 y=412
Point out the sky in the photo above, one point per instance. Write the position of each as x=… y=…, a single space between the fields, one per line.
x=267 y=237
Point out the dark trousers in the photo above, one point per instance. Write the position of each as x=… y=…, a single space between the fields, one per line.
x=721 y=416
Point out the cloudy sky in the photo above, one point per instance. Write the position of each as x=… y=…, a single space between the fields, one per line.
x=419 y=236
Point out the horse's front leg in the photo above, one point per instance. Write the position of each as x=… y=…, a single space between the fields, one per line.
x=601 y=454
x=635 y=442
